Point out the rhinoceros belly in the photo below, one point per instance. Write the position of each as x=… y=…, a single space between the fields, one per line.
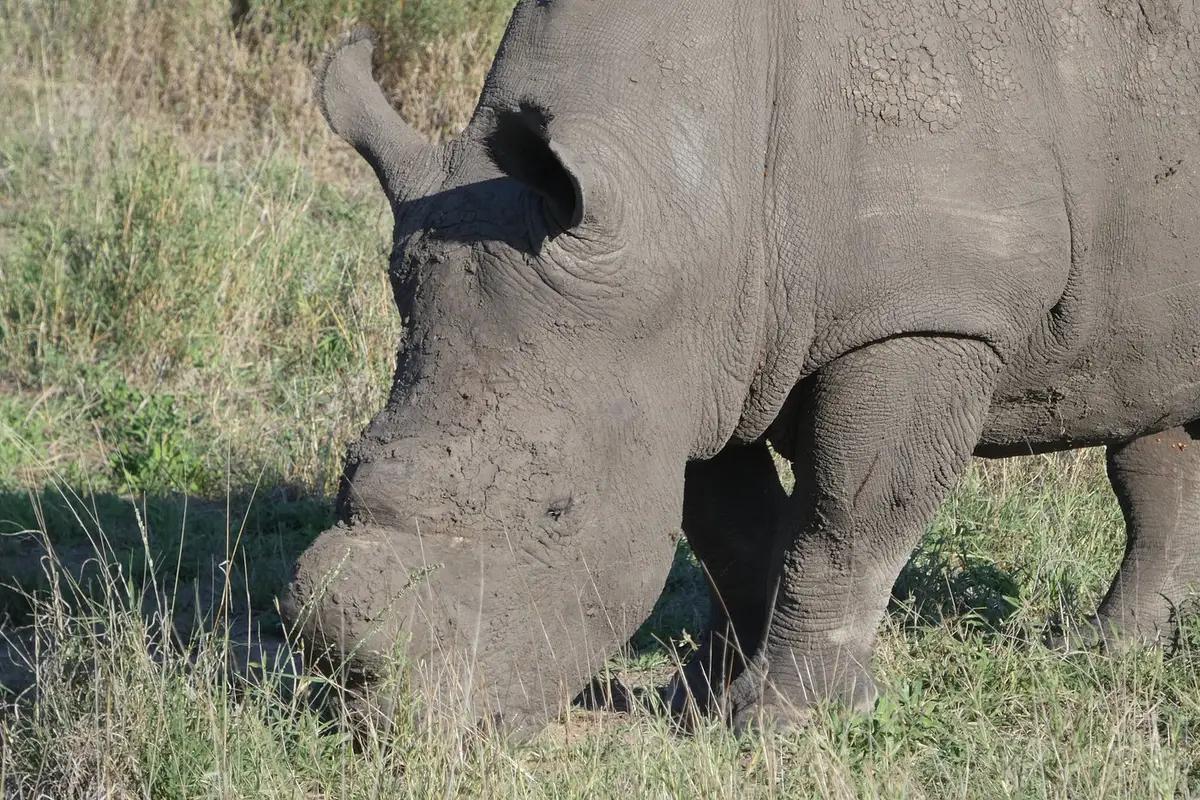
x=1137 y=373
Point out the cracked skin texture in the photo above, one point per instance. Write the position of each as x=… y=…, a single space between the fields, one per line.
x=886 y=236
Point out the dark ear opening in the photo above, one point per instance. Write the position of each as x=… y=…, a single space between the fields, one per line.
x=521 y=147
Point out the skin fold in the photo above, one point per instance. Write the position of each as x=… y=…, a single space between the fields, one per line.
x=887 y=236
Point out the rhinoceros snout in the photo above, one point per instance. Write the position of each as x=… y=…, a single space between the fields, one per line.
x=363 y=594
x=369 y=602
x=485 y=572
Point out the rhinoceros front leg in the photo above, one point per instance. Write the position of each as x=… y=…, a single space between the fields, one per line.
x=1157 y=482
x=731 y=508
x=883 y=432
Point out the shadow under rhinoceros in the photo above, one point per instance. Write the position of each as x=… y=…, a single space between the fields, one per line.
x=939 y=584
x=207 y=560
x=199 y=561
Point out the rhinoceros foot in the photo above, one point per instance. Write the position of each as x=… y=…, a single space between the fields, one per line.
x=1101 y=634
x=762 y=702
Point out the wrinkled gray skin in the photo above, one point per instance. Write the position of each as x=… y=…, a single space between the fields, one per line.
x=884 y=235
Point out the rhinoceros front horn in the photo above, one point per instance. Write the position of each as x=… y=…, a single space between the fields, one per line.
x=357 y=110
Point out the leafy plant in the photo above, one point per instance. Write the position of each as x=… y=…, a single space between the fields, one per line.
x=148 y=438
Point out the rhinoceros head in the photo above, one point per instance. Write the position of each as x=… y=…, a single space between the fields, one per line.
x=507 y=520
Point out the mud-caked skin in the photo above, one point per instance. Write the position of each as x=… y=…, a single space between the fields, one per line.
x=884 y=235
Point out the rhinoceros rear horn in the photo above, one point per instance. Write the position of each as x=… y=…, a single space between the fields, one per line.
x=357 y=110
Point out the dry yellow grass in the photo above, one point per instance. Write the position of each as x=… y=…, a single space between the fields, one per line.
x=186 y=66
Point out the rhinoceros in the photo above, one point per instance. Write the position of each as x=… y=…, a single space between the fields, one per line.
x=883 y=236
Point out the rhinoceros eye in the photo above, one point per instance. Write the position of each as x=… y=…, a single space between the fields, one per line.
x=558 y=507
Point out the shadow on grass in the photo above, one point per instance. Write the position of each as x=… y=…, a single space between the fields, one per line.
x=940 y=583
x=191 y=541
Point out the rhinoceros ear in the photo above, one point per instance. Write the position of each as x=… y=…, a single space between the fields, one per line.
x=356 y=110
x=521 y=146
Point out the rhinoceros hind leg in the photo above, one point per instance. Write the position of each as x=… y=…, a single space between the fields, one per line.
x=1157 y=482
x=730 y=516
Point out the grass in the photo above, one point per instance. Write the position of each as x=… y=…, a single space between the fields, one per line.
x=194 y=320
x=125 y=706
